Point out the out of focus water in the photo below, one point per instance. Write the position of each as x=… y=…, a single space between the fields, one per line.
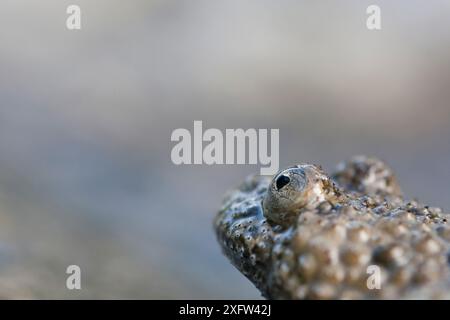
x=86 y=118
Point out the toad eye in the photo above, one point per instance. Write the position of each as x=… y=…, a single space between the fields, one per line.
x=293 y=189
x=282 y=181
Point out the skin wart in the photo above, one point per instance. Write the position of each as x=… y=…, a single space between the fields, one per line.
x=305 y=235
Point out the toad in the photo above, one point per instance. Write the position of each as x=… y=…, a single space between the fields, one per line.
x=304 y=234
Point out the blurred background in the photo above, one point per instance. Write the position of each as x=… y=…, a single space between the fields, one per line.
x=86 y=118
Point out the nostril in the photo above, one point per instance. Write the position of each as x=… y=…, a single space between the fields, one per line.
x=282 y=181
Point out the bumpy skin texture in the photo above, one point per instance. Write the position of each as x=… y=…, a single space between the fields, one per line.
x=305 y=235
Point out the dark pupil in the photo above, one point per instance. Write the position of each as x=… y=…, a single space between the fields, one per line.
x=282 y=181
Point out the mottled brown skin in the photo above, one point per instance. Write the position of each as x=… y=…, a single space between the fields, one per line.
x=305 y=235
